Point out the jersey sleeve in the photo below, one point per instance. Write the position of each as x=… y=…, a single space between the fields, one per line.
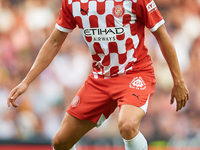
x=149 y=14
x=65 y=21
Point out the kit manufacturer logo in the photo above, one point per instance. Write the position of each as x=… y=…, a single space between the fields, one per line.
x=138 y=96
x=85 y=11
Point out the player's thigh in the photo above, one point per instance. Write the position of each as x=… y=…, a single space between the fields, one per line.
x=131 y=116
x=72 y=129
x=134 y=99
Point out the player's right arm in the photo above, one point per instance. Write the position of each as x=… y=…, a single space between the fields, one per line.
x=42 y=61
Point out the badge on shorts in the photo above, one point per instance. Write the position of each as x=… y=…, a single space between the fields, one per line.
x=137 y=83
x=75 y=101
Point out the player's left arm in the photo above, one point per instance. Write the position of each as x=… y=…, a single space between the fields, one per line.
x=179 y=90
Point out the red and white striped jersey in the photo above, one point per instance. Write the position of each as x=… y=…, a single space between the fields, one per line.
x=113 y=31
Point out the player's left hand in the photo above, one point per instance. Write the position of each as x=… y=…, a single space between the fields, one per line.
x=15 y=93
x=181 y=94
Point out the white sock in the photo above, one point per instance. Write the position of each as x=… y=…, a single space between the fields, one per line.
x=137 y=143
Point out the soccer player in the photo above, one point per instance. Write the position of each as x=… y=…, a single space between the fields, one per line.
x=122 y=74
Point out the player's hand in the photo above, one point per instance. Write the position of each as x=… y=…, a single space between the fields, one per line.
x=181 y=94
x=16 y=92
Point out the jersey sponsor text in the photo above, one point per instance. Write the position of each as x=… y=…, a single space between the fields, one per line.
x=103 y=34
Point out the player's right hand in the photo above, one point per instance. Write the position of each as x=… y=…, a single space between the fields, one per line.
x=16 y=92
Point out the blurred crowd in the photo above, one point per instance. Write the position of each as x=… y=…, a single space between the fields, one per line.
x=24 y=27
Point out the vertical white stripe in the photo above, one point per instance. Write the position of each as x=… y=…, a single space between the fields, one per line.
x=109 y=6
x=93 y=7
x=144 y=107
x=84 y=1
x=95 y=75
x=76 y=12
x=69 y=1
x=128 y=7
x=135 y=40
x=100 y=0
x=76 y=8
x=85 y=21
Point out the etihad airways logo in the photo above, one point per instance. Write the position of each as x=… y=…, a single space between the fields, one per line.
x=103 y=34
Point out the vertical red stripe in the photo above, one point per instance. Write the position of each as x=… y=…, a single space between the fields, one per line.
x=129 y=65
x=120 y=37
x=114 y=70
x=101 y=8
x=97 y=48
x=126 y=19
x=88 y=38
x=112 y=47
x=134 y=28
x=129 y=44
x=122 y=58
x=84 y=7
x=106 y=60
x=110 y=21
x=96 y=57
x=70 y=8
x=79 y=22
x=93 y=21
x=134 y=5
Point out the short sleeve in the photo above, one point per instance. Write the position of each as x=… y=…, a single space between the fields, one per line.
x=65 y=21
x=149 y=14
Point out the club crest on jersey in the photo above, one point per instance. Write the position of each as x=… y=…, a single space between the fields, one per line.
x=137 y=83
x=118 y=11
x=151 y=7
x=75 y=101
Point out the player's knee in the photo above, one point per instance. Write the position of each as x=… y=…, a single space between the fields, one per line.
x=58 y=145
x=128 y=128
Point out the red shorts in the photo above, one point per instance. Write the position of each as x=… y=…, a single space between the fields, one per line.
x=98 y=98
